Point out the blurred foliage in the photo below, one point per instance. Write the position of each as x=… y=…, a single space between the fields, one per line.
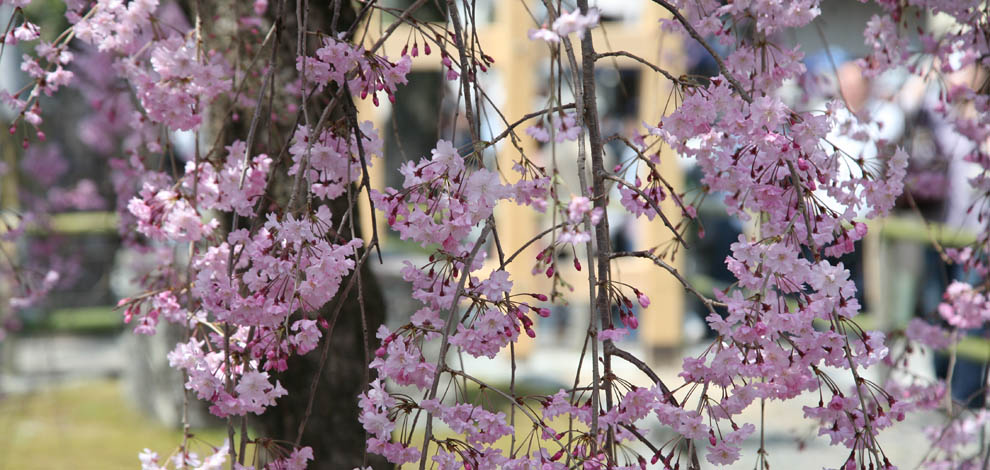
x=913 y=229
x=527 y=389
x=83 y=320
x=49 y=15
x=974 y=348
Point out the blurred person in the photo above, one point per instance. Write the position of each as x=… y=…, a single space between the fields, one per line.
x=937 y=181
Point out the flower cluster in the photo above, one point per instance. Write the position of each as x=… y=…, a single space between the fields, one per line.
x=207 y=372
x=567 y=23
x=250 y=296
x=114 y=25
x=442 y=202
x=889 y=48
x=964 y=307
x=573 y=228
x=150 y=460
x=348 y=64
x=236 y=187
x=181 y=83
x=163 y=305
x=465 y=199
x=565 y=128
x=164 y=214
x=330 y=162
x=769 y=17
x=287 y=265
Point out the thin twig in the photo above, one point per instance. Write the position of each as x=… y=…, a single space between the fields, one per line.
x=709 y=303
x=697 y=37
x=445 y=340
x=652 y=204
x=671 y=77
x=341 y=298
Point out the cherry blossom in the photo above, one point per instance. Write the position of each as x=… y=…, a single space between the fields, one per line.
x=262 y=267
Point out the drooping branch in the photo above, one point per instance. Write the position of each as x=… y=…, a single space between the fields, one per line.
x=668 y=75
x=697 y=37
x=652 y=204
x=709 y=303
x=445 y=339
x=601 y=312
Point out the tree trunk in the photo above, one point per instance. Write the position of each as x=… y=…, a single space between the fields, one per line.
x=332 y=428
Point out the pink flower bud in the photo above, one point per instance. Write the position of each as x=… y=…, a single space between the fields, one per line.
x=128 y=315
x=860 y=229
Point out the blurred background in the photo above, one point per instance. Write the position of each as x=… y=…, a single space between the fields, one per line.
x=73 y=376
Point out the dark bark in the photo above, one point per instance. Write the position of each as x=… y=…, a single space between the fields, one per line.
x=332 y=427
x=333 y=430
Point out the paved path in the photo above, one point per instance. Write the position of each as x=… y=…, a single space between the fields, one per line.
x=37 y=362
x=33 y=362
x=791 y=440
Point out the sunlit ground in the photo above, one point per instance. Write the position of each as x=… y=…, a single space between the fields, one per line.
x=525 y=438
x=89 y=426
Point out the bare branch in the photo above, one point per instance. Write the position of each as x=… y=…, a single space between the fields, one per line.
x=709 y=303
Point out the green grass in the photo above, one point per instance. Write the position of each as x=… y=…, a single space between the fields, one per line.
x=100 y=320
x=89 y=426
x=86 y=319
x=495 y=402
